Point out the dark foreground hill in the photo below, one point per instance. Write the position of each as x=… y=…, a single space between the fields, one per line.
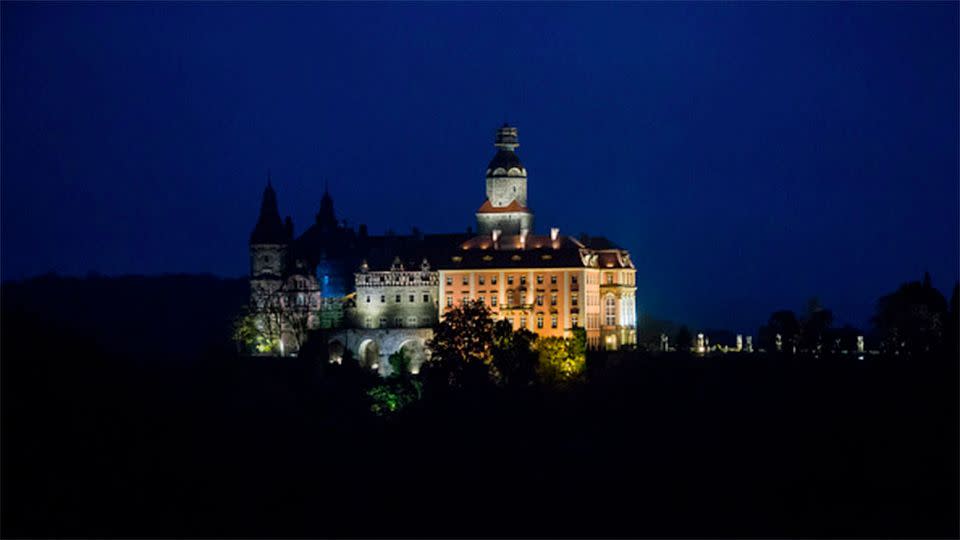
x=97 y=443
x=169 y=317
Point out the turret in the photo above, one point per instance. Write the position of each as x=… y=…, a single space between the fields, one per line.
x=327 y=217
x=506 y=204
x=270 y=239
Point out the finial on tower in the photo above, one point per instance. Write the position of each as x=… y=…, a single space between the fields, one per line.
x=507 y=138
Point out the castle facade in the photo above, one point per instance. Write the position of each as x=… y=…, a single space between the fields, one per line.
x=374 y=295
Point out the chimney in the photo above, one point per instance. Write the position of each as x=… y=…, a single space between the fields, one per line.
x=554 y=234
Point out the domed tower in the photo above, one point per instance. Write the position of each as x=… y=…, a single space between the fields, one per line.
x=269 y=243
x=506 y=205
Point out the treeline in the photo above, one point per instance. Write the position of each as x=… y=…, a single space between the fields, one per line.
x=914 y=319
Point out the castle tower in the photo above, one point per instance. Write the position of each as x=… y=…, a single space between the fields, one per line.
x=269 y=242
x=506 y=206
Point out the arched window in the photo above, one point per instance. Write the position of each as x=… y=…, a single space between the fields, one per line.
x=611 y=310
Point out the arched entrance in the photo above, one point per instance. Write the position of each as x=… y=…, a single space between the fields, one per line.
x=416 y=352
x=369 y=354
x=335 y=352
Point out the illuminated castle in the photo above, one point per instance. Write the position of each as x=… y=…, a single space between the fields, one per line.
x=375 y=295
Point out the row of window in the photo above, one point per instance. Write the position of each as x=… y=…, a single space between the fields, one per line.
x=626 y=278
x=574 y=299
x=481 y=279
x=539 y=321
x=398 y=322
x=398 y=298
x=409 y=278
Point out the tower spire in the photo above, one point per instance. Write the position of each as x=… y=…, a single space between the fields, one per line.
x=327 y=217
x=269 y=228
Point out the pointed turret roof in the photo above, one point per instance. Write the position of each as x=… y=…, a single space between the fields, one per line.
x=327 y=217
x=269 y=228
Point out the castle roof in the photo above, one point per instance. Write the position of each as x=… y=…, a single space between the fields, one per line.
x=270 y=228
x=504 y=159
x=488 y=208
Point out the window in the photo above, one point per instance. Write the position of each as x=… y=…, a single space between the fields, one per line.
x=573 y=299
x=383 y=298
x=466 y=280
x=426 y=298
x=573 y=280
x=449 y=300
x=523 y=280
x=513 y=321
x=539 y=279
x=573 y=320
x=383 y=322
x=523 y=321
x=493 y=280
x=398 y=298
x=465 y=299
x=480 y=299
x=368 y=298
x=493 y=301
x=609 y=278
x=368 y=322
x=539 y=299
x=449 y=280
x=539 y=321
x=553 y=299
x=480 y=280
x=553 y=280
x=611 y=311
x=398 y=322
x=510 y=298
x=553 y=321
x=509 y=280
x=411 y=299
x=301 y=299
x=412 y=322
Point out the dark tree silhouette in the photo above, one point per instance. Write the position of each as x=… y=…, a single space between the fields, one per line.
x=784 y=323
x=461 y=345
x=815 y=329
x=514 y=360
x=913 y=319
x=683 y=339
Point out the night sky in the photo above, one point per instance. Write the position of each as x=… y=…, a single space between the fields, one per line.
x=749 y=155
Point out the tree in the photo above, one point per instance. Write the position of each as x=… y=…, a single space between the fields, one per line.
x=561 y=360
x=258 y=331
x=398 y=391
x=911 y=320
x=815 y=329
x=785 y=324
x=683 y=339
x=514 y=360
x=461 y=345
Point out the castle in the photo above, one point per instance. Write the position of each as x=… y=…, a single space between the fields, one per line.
x=374 y=295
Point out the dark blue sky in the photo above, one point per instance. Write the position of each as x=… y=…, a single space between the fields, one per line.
x=749 y=155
